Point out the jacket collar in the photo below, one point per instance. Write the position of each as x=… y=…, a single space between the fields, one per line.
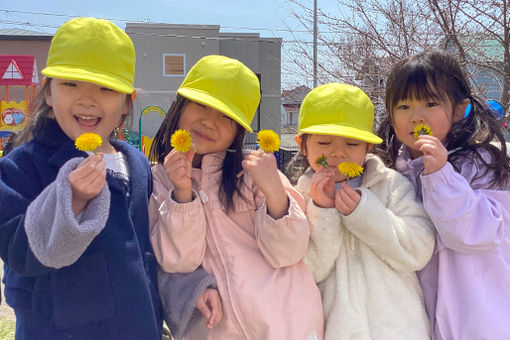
x=210 y=168
x=408 y=166
x=49 y=133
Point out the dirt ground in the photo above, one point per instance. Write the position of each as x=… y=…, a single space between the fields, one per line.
x=5 y=310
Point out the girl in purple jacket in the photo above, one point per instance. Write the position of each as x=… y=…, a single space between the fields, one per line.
x=459 y=167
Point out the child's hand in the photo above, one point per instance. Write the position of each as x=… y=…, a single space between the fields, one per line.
x=209 y=304
x=435 y=154
x=87 y=181
x=347 y=199
x=262 y=167
x=322 y=189
x=178 y=169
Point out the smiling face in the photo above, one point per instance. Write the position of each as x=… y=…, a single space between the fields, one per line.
x=81 y=107
x=211 y=130
x=337 y=149
x=8 y=119
x=437 y=114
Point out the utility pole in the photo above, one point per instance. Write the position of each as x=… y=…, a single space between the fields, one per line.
x=314 y=43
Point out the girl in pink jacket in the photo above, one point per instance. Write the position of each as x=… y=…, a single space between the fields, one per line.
x=248 y=231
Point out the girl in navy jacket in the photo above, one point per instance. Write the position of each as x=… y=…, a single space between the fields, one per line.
x=74 y=227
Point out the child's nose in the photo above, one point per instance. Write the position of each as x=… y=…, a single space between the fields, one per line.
x=86 y=98
x=209 y=122
x=417 y=118
x=336 y=152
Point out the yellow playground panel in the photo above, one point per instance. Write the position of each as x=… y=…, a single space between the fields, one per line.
x=14 y=117
x=146 y=143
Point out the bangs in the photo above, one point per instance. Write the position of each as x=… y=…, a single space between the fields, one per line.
x=418 y=83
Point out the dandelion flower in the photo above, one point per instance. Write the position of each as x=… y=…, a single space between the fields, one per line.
x=268 y=140
x=349 y=169
x=422 y=129
x=322 y=161
x=88 y=141
x=181 y=140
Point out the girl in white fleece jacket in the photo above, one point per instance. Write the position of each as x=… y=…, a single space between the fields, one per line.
x=369 y=235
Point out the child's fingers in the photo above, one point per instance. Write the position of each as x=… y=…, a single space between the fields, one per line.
x=320 y=176
x=216 y=318
x=352 y=194
x=203 y=308
x=90 y=160
x=345 y=197
x=87 y=172
x=90 y=185
x=344 y=202
x=339 y=202
x=190 y=154
x=428 y=138
x=216 y=311
x=95 y=170
x=88 y=165
x=96 y=185
x=176 y=165
x=175 y=159
x=319 y=184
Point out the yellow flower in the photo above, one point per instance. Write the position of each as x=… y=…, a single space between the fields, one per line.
x=181 y=140
x=268 y=140
x=322 y=161
x=88 y=141
x=422 y=129
x=349 y=169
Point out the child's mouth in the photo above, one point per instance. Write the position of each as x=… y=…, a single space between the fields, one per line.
x=199 y=135
x=87 y=122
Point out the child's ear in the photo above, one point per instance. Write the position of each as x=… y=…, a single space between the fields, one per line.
x=460 y=109
x=369 y=147
x=48 y=98
x=299 y=142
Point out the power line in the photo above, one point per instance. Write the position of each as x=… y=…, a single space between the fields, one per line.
x=168 y=35
x=145 y=21
x=63 y=15
x=65 y=3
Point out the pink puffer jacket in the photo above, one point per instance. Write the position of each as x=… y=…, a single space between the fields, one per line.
x=266 y=290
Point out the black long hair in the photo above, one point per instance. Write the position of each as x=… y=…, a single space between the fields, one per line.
x=42 y=111
x=437 y=75
x=232 y=164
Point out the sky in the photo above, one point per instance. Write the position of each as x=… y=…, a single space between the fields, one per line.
x=269 y=18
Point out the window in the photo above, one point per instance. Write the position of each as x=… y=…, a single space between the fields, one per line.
x=12 y=71
x=174 y=65
x=292 y=117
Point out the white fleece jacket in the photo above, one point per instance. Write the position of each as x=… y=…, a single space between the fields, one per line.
x=365 y=263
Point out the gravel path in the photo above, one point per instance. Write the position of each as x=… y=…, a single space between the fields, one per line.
x=5 y=310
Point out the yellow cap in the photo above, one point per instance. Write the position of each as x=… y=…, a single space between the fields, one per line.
x=224 y=84
x=339 y=110
x=95 y=51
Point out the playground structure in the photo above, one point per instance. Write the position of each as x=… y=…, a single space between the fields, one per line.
x=16 y=70
x=152 y=117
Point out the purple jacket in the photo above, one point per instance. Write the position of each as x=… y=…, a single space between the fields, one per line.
x=467 y=282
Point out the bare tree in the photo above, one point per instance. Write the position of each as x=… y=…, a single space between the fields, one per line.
x=361 y=40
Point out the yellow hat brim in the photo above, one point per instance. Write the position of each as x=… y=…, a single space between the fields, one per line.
x=211 y=101
x=91 y=76
x=344 y=131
